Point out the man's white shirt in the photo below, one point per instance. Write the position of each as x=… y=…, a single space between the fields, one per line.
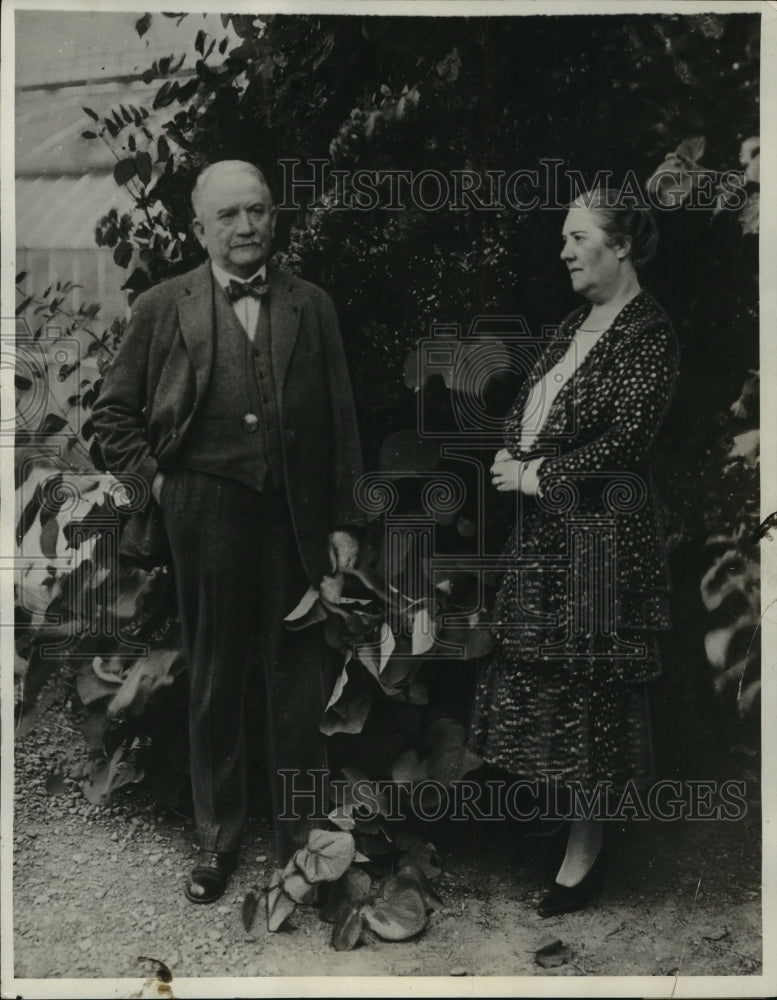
x=246 y=308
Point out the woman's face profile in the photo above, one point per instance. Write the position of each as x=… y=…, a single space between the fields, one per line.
x=593 y=265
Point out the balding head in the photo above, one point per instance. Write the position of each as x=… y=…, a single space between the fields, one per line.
x=223 y=170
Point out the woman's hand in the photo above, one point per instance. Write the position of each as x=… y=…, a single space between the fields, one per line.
x=509 y=474
x=506 y=474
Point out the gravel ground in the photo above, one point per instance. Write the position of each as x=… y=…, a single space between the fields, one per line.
x=95 y=889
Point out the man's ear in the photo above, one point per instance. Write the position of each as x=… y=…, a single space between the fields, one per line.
x=199 y=232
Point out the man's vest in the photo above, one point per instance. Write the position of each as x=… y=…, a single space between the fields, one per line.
x=235 y=432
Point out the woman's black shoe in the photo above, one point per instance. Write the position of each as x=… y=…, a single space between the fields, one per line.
x=568 y=898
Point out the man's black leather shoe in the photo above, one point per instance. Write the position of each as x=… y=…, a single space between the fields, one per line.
x=208 y=879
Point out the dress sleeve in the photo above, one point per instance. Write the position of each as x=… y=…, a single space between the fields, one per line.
x=645 y=377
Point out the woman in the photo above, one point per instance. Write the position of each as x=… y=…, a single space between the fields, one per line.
x=585 y=596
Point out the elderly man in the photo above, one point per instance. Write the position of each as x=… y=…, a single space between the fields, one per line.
x=229 y=404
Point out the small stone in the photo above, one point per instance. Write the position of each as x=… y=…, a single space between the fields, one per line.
x=100 y=893
x=78 y=859
x=85 y=944
x=214 y=934
x=458 y=970
x=114 y=836
x=548 y=944
x=715 y=933
x=262 y=858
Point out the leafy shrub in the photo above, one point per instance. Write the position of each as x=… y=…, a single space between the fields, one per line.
x=730 y=588
x=74 y=603
x=395 y=909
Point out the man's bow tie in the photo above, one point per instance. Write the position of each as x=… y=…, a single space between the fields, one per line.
x=256 y=288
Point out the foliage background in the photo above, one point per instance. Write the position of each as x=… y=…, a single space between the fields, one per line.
x=618 y=93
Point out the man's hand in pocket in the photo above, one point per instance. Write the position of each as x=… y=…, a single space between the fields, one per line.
x=156 y=486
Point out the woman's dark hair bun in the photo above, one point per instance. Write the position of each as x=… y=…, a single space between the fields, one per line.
x=623 y=218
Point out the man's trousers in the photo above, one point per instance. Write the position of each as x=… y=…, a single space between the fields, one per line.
x=238 y=574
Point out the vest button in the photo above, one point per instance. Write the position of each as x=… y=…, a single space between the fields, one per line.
x=250 y=423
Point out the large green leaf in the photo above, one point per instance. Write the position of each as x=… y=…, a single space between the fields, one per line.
x=279 y=906
x=348 y=927
x=361 y=794
x=326 y=856
x=91 y=688
x=340 y=683
x=423 y=857
x=249 y=908
x=398 y=671
x=353 y=887
x=409 y=768
x=296 y=885
x=105 y=777
x=375 y=656
x=307 y=612
x=348 y=714
x=147 y=676
x=344 y=549
x=731 y=573
x=400 y=913
x=423 y=632
x=415 y=873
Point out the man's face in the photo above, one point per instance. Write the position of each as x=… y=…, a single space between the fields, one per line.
x=236 y=220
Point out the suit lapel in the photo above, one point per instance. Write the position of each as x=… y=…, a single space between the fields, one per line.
x=285 y=313
x=195 y=317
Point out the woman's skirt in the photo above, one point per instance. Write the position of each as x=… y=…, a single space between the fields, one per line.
x=575 y=721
